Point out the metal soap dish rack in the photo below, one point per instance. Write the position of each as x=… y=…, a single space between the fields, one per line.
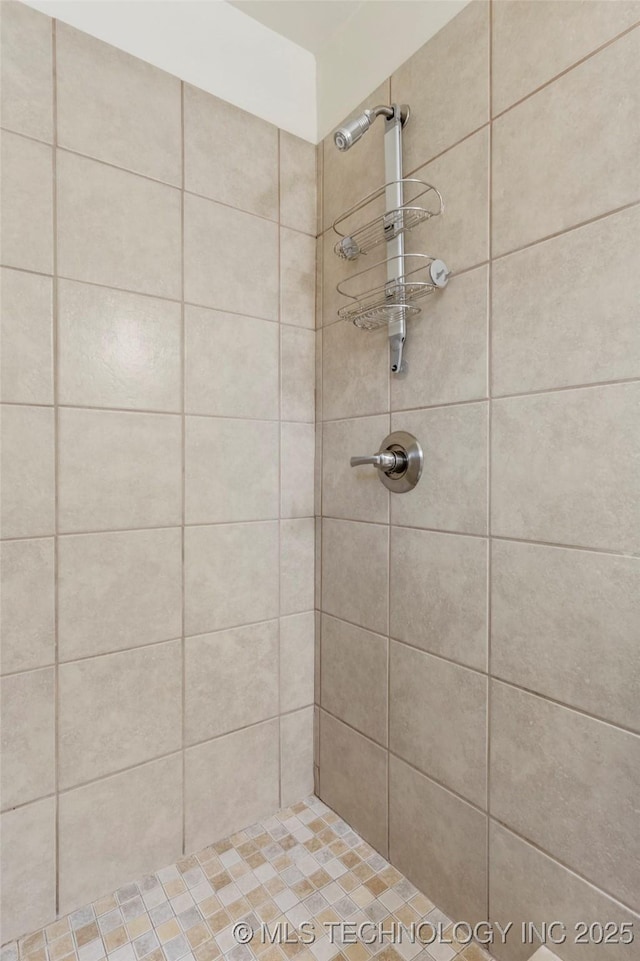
x=377 y=306
x=392 y=223
x=409 y=277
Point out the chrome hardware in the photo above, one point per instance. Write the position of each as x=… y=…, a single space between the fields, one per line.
x=389 y=304
x=399 y=461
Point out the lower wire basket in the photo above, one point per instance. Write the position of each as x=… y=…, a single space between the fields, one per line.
x=381 y=305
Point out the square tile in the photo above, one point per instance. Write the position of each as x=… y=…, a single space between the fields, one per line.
x=28 y=604
x=27 y=71
x=219 y=244
x=117 y=349
x=219 y=495
x=231 y=575
x=117 y=229
x=99 y=734
x=246 y=382
x=26 y=338
x=230 y=155
x=116 y=107
x=27 y=204
x=28 y=498
x=231 y=680
x=118 y=470
x=28 y=737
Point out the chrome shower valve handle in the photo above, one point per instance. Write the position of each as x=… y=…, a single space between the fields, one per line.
x=399 y=461
x=389 y=461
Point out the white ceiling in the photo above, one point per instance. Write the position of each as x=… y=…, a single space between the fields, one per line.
x=309 y=23
x=301 y=64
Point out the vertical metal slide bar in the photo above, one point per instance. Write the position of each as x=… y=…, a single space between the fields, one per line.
x=395 y=246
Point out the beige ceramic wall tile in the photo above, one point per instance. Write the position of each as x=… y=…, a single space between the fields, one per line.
x=446 y=346
x=140 y=827
x=230 y=259
x=230 y=783
x=231 y=575
x=218 y=494
x=565 y=467
x=318 y=563
x=118 y=470
x=297 y=183
x=297 y=650
x=353 y=779
x=231 y=680
x=460 y=235
x=349 y=176
x=297 y=374
x=571 y=329
x=564 y=624
x=438 y=720
x=438 y=594
x=27 y=71
x=118 y=591
x=348 y=492
x=118 y=710
x=27 y=471
x=439 y=842
x=535 y=41
x=28 y=864
x=355 y=377
x=297 y=559
x=296 y=746
x=568 y=783
x=297 y=278
x=297 y=474
x=27 y=204
x=544 y=181
x=27 y=614
x=452 y=492
x=355 y=570
x=117 y=108
x=28 y=737
x=117 y=349
x=525 y=883
x=26 y=338
x=354 y=677
x=229 y=154
x=447 y=102
x=231 y=365
x=116 y=228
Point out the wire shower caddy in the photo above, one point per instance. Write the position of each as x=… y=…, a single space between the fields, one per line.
x=381 y=219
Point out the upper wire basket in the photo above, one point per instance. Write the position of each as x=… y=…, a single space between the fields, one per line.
x=384 y=227
x=378 y=306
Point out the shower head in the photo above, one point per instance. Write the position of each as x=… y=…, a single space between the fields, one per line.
x=352 y=130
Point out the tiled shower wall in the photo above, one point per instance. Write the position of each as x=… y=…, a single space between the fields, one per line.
x=479 y=663
x=157 y=443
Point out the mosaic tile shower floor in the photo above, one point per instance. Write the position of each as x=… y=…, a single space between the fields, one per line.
x=303 y=865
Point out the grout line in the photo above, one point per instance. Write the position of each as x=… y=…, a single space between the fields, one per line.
x=159 y=413
x=569 y=69
x=161 y=757
x=567 y=867
x=485 y=536
x=428 y=530
x=614 y=211
x=478 y=809
x=279 y=442
x=56 y=448
x=183 y=457
x=178 y=187
x=160 y=297
x=493 y=678
x=488 y=625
